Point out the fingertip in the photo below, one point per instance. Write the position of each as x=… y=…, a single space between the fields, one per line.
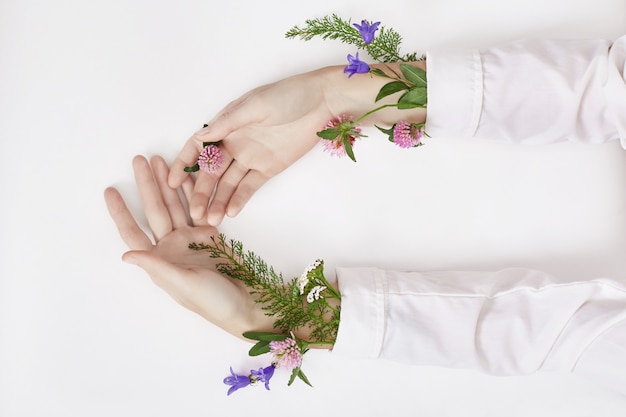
x=176 y=176
x=113 y=200
x=216 y=213
x=130 y=258
x=139 y=159
x=111 y=195
x=172 y=181
x=140 y=258
x=157 y=160
x=233 y=210
x=238 y=201
x=214 y=218
x=197 y=212
x=245 y=190
x=109 y=192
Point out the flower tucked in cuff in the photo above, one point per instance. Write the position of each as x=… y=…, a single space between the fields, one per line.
x=356 y=66
x=407 y=135
x=287 y=353
x=315 y=293
x=367 y=30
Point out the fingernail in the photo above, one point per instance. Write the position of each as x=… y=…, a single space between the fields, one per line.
x=205 y=130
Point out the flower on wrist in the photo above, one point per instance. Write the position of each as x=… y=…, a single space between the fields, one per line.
x=356 y=66
x=340 y=135
x=405 y=134
x=303 y=281
x=286 y=353
x=284 y=302
x=315 y=293
x=384 y=47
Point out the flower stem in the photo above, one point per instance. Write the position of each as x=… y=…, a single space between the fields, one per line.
x=384 y=106
x=394 y=73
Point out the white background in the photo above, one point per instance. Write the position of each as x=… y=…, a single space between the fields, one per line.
x=85 y=85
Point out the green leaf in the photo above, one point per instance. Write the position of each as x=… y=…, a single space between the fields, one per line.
x=385 y=131
x=194 y=168
x=415 y=75
x=297 y=372
x=329 y=134
x=348 y=146
x=384 y=47
x=303 y=377
x=391 y=88
x=293 y=376
x=260 y=348
x=388 y=132
x=378 y=72
x=265 y=336
x=205 y=144
x=415 y=96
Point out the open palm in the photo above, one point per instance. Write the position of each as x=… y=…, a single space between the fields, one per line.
x=187 y=276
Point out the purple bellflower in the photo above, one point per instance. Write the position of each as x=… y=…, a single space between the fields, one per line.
x=355 y=66
x=236 y=381
x=264 y=375
x=367 y=30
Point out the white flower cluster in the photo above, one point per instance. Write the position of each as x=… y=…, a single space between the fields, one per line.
x=303 y=281
x=314 y=294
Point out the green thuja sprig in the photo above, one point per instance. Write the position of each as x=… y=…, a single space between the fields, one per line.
x=281 y=300
x=385 y=47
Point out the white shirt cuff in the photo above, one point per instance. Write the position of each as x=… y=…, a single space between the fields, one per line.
x=363 y=306
x=455 y=91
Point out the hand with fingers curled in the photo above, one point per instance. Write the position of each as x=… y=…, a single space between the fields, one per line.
x=266 y=130
x=188 y=277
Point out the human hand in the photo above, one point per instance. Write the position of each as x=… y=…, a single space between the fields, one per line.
x=269 y=128
x=262 y=133
x=189 y=277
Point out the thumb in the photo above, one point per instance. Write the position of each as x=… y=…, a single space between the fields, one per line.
x=134 y=257
x=178 y=282
x=165 y=274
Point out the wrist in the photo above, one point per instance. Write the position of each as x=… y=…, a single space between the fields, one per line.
x=356 y=95
x=305 y=333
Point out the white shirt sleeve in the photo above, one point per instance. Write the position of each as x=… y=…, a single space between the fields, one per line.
x=513 y=321
x=533 y=91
